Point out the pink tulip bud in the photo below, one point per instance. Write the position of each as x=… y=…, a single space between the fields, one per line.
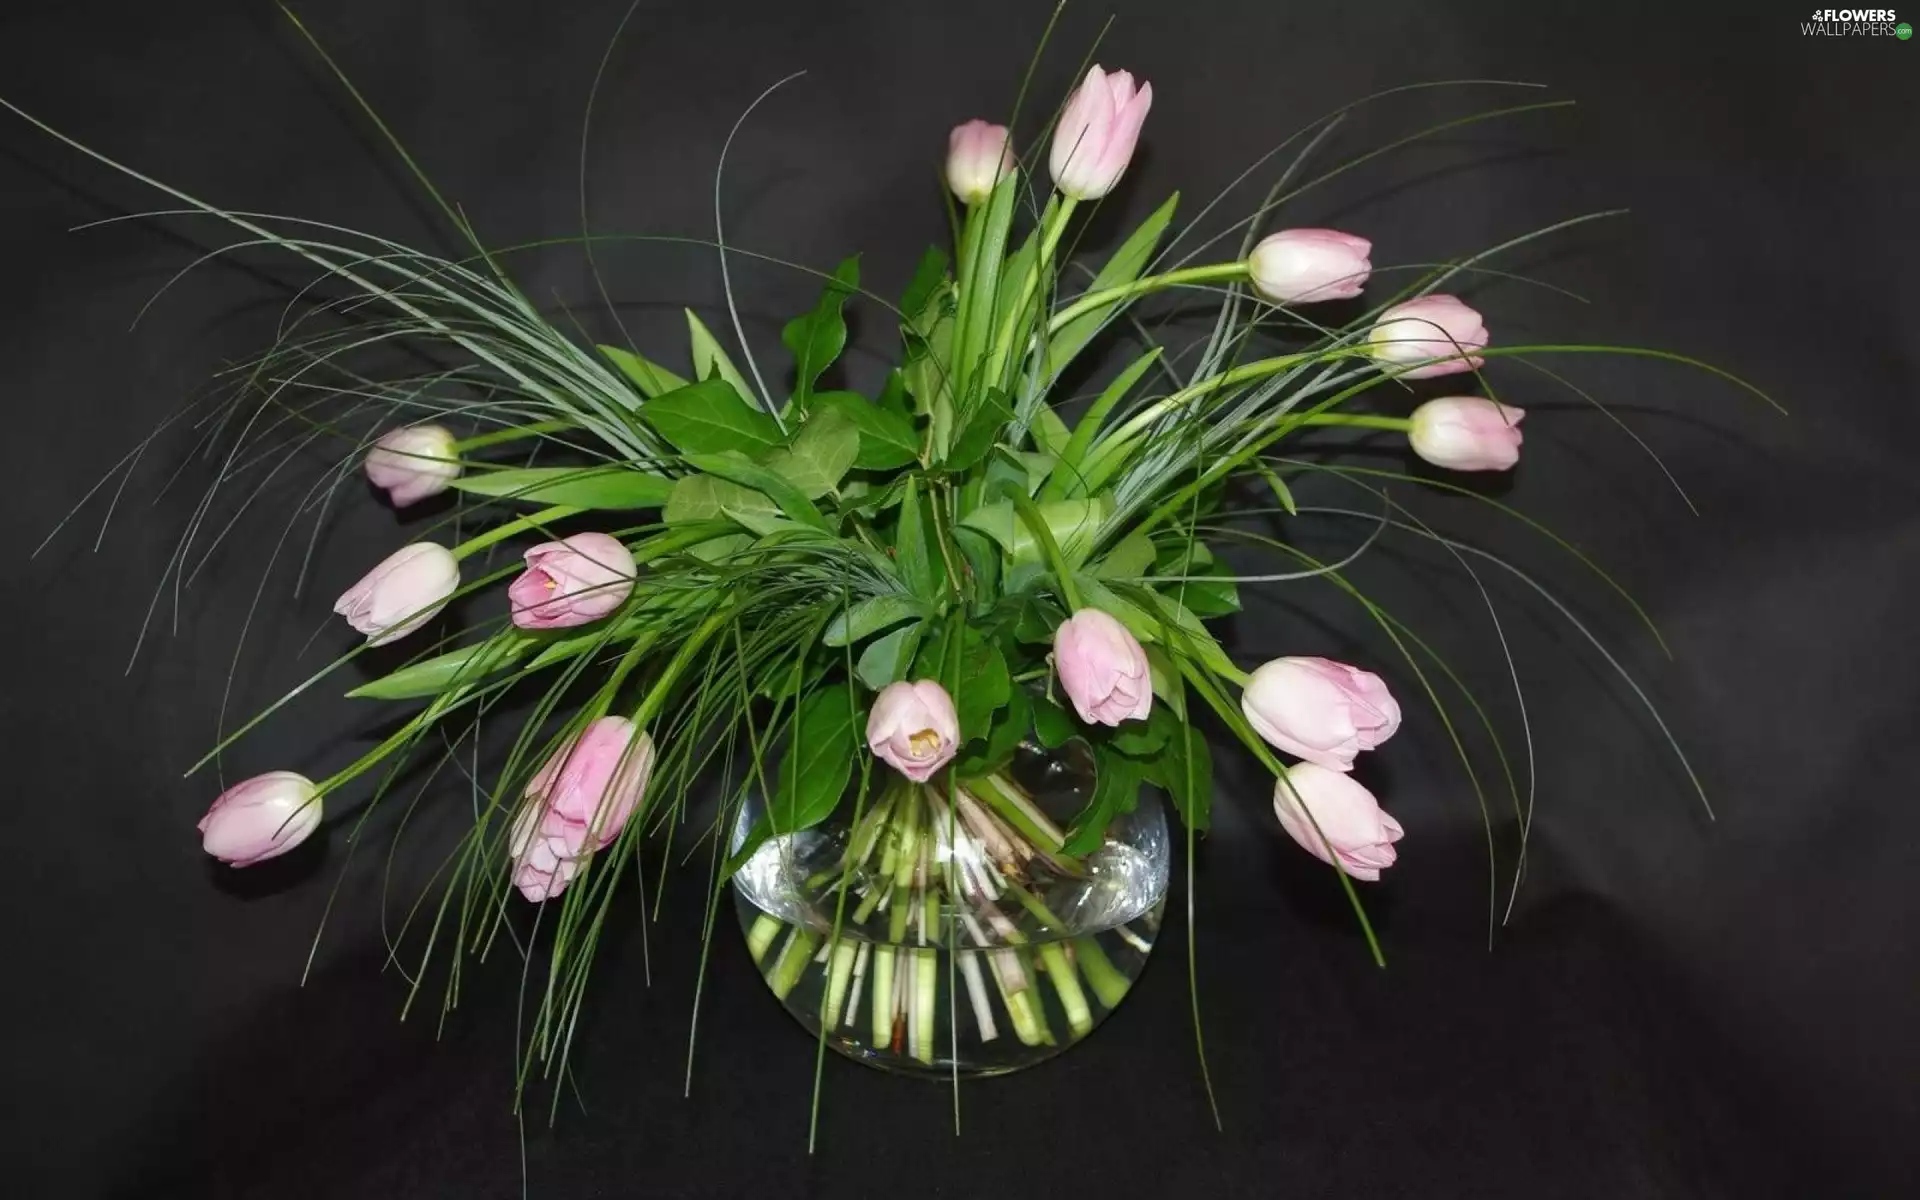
x=571 y=582
x=1467 y=433
x=1354 y=831
x=1437 y=330
x=414 y=463
x=1098 y=129
x=913 y=728
x=260 y=818
x=402 y=593
x=1320 y=710
x=1103 y=668
x=978 y=157
x=1298 y=265
x=577 y=804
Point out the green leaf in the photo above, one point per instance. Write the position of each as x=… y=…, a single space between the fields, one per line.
x=608 y=487
x=650 y=377
x=1168 y=688
x=1009 y=729
x=1123 y=268
x=1204 y=598
x=979 y=681
x=1116 y=790
x=1131 y=558
x=818 y=762
x=703 y=498
x=886 y=659
x=911 y=547
x=920 y=302
x=710 y=360
x=821 y=455
x=870 y=616
x=982 y=560
x=736 y=468
x=709 y=417
x=893 y=396
x=1067 y=479
x=982 y=430
x=431 y=676
x=925 y=375
x=816 y=339
x=979 y=277
x=1138 y=739
x=1038 y=618
x=1075 y=524
x=1052 y=724
x=1186 y=772
x=887 y=439
x=1050 y=433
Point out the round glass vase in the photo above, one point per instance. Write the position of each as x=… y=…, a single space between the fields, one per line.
x=941 y=929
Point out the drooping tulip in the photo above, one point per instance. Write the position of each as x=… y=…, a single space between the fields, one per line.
x=571 y=582
x=1300 y=265
x=1354 y=831
x=1102 y=668
x=1320 y=710
x=1097 y=133
x=978 y=157
x=1438 y=331
x=577 y=803
x=1467 y=433
x=402 y=593
x=260 y=818
x=913 y=728
x=413 y=463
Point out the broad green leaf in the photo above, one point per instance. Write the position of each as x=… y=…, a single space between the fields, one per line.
x=982 y=561
x=1131 y=558
x=1038 y=619
x=1116 y=790
x=983 y=429
x=1050 y=433
x=1074 y=524
x=887 y=439
x=709 y=417
x=1186 y=772
x=886 y=659
x=893 y=396
x=921 y=301
x=926 y=377
x=1052 y=724
x=980 y=276
x=816 y=339
x=911 y=545
x=870 y=616
x=1138 y=739
x=821 y=455
x=975 y=674
x=737 y=468
x=1009 y=729
x=650 y=377
x=710 y=360
x=703 y=498
x=1067 y=479
x=1123 y=268
x=813 y=772
x=1205 y=597
x=1177 y=628
x=582 y=487
x=430 y=677
x=1168 y=688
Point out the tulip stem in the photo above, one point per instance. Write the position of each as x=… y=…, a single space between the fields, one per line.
x=1357 y=420
x=501 y=533
x=511 y=433
x=1186 y=276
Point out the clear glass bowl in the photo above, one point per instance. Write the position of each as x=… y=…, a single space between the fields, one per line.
x=937 y=933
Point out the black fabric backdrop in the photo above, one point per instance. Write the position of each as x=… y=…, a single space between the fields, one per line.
x=1679 y=1008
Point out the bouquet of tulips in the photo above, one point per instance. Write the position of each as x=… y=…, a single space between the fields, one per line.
x=873 y=612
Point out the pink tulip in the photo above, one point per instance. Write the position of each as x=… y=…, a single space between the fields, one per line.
x=1319 y=710
x=414 y=463
x=1467 y=433
x=1297 y=265
x=260 y=818
x=1354 y=832
x=978 y=157
x=913 y=728
x=1103 y=668
x=402 y=593
x=1435 y=327
x=1098 y=129
x=571 y=582
x=577 y=804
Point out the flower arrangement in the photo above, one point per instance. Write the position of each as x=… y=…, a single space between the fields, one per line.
x=940 y=647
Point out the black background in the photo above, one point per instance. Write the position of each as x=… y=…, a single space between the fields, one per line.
x=1679 y=1008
